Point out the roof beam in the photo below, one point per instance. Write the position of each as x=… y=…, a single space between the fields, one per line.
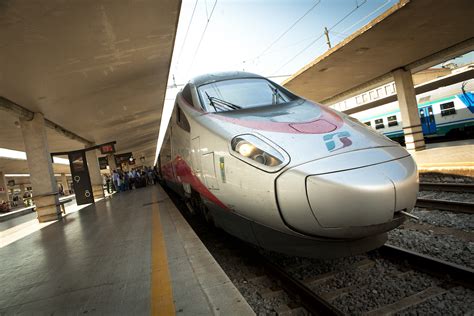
x=10 y=106
x=416 y=66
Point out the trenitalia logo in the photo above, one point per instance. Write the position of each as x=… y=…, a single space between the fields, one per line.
x=341 y=140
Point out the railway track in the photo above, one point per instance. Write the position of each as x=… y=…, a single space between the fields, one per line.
x=446 y=205
x=447 y=187
x=270 y=280
x=321 y=304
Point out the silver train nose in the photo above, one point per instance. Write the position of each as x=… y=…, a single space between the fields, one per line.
x=350 y=195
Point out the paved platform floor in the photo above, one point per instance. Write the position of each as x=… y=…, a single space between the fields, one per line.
x=455 y=157
x=131 y=254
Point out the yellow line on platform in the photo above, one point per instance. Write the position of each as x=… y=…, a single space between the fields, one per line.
x=161 y=291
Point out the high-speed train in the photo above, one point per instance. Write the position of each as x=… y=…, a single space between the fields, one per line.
x=282 y=172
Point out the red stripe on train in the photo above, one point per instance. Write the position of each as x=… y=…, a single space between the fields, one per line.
x=185 y=175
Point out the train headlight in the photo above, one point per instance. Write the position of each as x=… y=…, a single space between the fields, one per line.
x=254 y=148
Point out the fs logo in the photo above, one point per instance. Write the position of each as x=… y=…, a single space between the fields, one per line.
x=342 y=140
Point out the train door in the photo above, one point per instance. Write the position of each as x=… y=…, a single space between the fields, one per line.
x=427 y=119
x=196 y=156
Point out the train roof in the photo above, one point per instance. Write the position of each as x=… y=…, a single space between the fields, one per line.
x=219 y=76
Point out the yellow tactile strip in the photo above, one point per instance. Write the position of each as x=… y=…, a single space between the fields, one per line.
x=161 y=291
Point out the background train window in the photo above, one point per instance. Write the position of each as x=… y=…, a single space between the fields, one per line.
x=379 y=124
x=368 y=123
x=358 y=99
x=447 y=109
x=186 y=93
x=182 y=121
x=373 y=94
x=392 y=120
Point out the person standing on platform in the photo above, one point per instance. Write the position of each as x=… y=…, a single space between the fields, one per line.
x=116 y=180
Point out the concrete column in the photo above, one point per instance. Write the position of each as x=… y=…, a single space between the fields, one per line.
x=3 y=187
x=94 y=173
x=406 y=95
x=44 y=185
x=64 y=183
x=112 y=164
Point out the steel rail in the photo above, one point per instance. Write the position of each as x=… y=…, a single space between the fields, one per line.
x=447 y=187
x=314 y=303
x=445 y=205
x=460 y=274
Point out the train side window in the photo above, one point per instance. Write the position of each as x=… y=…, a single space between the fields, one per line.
x=379 y=124
x=186 y=93
x=182 y=121
x=392 y=120
x=447 y=109
x=358 y=99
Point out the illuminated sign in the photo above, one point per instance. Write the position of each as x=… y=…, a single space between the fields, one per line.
x=107 y=149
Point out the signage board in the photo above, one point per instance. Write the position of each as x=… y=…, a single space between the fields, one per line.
x=103 y=163
x=125 y=157
x=107 y=149
x=80 y=177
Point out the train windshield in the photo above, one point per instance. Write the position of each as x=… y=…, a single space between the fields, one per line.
x=236 y=94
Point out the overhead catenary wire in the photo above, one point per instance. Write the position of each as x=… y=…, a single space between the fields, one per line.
x=185 y=37
x=288 y=29
x=202 y=36
x=358 y=6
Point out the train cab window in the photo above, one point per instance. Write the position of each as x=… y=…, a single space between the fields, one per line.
x=447 y=109
x=392 y=121
x=379 y=124
x=368 y=123
x=235 y=94
x=182 y=121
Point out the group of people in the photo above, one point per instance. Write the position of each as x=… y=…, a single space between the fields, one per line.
x=128 y=180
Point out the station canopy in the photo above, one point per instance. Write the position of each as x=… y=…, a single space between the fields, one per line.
x=97 y=68
x=413 y=34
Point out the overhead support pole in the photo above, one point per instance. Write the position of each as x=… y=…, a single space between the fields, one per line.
x=27 y=115
x=412 y=129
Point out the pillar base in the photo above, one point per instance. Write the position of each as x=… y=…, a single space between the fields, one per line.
x=47 y=209
x=98 y=191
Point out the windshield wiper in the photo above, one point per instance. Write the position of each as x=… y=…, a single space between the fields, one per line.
x=275 y=95
x=214 y=100
x=211 y=102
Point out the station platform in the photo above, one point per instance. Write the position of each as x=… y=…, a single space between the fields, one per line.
x=129 y=254
x=454 y=158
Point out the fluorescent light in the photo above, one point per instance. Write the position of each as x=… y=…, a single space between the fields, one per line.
x=12 y=154
x=61 y=161
x=17 y=175
x=21 y=155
